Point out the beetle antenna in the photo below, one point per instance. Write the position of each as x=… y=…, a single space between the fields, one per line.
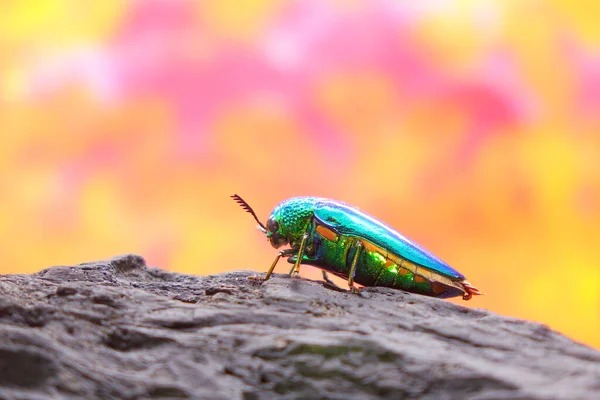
x=249 y=209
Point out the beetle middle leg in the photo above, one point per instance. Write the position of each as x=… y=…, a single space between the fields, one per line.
x=353 y=289
x=329 y=284
x=296 y=268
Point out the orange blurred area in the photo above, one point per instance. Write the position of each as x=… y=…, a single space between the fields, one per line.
x=472 y=127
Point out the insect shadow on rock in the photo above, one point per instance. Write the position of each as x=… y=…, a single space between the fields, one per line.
x=346 y=242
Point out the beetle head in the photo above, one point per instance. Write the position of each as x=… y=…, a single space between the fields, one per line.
x=274 y=234
x=272 y=229
x=288 y=221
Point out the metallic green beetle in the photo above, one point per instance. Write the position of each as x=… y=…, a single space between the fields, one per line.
x=348 y=243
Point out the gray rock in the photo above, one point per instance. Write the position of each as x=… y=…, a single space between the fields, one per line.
x=118 y=329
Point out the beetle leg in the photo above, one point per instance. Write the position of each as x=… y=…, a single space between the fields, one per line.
x=330 y=284
x=282 y=253
x=359 y=247
x=326 y=278
x=296 y=268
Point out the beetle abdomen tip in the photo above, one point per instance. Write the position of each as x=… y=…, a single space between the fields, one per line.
x=470 y=290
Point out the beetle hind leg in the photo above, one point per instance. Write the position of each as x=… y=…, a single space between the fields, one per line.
x=354 y=289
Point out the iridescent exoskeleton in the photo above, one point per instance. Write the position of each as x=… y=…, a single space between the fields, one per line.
x=348 y=243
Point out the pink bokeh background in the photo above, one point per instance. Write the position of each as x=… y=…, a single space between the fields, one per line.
x=472 y=127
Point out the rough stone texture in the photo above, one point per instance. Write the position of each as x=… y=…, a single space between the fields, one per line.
x=118 y=329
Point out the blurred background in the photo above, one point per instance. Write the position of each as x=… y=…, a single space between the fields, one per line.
x=471 y=126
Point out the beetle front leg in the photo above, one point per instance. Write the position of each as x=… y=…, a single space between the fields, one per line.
x=296 y=268
x=359 y=247
x=282 y=253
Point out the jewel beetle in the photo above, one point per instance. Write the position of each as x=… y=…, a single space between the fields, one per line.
x=348 y=243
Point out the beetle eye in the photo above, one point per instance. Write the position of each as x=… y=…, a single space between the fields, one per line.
x=278 y=240
x=272 y=225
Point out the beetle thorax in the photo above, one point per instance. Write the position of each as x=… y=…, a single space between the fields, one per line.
x=294 y=217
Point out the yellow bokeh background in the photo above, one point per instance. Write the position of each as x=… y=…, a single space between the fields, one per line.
x=471 y=126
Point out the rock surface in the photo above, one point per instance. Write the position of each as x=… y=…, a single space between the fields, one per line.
x=118 y=329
